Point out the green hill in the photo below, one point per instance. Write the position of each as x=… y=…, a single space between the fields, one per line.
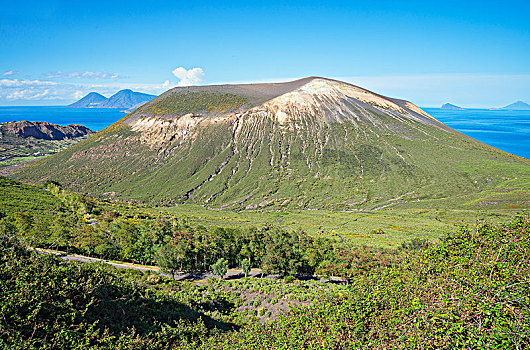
x=310 y=143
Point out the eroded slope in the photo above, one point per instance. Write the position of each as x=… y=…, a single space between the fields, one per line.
x=311 y=143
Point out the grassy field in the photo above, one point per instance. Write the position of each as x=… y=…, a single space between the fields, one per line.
x=398 y=225
x=388 y=227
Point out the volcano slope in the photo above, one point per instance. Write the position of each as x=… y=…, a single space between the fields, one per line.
x=310 y=143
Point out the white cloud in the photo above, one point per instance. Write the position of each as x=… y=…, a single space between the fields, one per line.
x=27 y=94
x=188 y=77
x=10 y=72
x=78 y=94
x=21 y=83
x=79 y=75
x=13 y=90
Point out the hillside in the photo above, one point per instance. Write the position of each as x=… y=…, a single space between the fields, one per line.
x=122 y=99
x=23 y=140
x=43 y=130
x=310 y=143
x=469 y=291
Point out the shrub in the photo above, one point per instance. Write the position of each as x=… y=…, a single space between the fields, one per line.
x=289 y=279
x=220 y=268
x=245 y=266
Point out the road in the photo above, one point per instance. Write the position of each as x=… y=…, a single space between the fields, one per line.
x=192 y=276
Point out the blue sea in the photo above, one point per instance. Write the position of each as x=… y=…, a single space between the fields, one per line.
x=93 y=118
x=506 y=130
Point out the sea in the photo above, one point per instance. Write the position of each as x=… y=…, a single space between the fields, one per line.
x=505 y=130
x=93 y=118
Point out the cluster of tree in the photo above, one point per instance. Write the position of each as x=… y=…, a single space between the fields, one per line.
x=273 y=250
x=78 y=204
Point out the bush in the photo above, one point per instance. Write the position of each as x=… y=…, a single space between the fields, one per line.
x=153 y=279
x=289 y=279
x=220 y=268
x=245 y=266
x=415 y=244
x=469 y=292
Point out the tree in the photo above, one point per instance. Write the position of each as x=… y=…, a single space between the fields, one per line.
x=283 y=252
x=245 y=266
x=168 y=259
x=220 y=267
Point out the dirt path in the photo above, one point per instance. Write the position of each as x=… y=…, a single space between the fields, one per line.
x=191 y=276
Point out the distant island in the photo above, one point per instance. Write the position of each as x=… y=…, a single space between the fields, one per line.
x=122 y=99
x=451 y=106
x=518 y=106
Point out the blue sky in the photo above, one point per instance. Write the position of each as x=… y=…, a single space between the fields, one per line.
x=473 y=53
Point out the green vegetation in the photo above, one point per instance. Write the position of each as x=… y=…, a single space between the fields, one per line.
x=245 y=267
x=16 y=150
x=399 y=224
x=46 y=303
x=54 y=218
x=220 y=268
x=194 y=102
x=469 y=291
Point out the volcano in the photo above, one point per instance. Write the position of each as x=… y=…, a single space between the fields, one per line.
x=310 y=143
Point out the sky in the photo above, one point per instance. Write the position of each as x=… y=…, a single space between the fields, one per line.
x=469 y=53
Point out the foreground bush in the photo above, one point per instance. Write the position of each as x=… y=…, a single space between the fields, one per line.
x=48 y=304
x=471 y=291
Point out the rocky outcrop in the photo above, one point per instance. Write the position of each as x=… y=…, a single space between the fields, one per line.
x=43 y=130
